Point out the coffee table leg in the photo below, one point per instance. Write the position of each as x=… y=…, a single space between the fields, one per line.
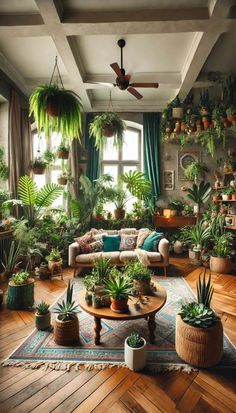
x=151 y=326
x=97 y=329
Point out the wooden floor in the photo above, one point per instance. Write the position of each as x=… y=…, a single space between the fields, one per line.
x=116 y=390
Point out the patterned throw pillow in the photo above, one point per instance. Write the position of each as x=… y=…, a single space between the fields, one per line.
x=128 y=242
x=96 y=246
x=84 y=243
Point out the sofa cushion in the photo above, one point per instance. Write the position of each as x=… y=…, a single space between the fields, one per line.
x=128 y=242
x=128 y=256
x=87 y=258
x=111 y=243
x=142 y=235
x=153 y=256
x=152 y=241
x=114 y=256
x=84 y=242
x=96 y=246
x=128 y=231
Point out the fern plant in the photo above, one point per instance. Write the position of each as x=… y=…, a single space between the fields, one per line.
x=107 y=120
x=34 y=200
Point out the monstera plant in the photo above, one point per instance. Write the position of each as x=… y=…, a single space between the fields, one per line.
x=34 y=200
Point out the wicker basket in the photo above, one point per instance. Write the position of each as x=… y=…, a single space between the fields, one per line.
x=66 y=332
x=200 y=347
x=20 y=297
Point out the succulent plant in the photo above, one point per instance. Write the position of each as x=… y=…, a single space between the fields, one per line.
x=118 y=287
x=204 y=290
x=198 y=315
x=42 y=308
x=67 y=309
x=134 y=340
x=20 y=278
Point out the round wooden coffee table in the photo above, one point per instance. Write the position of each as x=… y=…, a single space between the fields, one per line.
x=148 y=311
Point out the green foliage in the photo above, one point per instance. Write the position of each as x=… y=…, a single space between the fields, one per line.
x=197 y=235
x=4 y=170
x=99 y=274
x=108 y=119
x=38 y=162
x=195 y=170
x=20 y=278
x=199 y=193
x=197 y=315
x=134 y=340
x=10 y=260
x=135 y=270
x=68 y=121
x=54 y=255
x=227 y=191
x=118 y=286
x=204 y=290
x=177 y=205
x=67 y=309
x=222 y=245
x=42 y=308
x=137 y=184
x=119 y=197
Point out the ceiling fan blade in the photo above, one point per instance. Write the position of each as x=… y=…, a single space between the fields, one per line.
x=134 y=92
x=117 y=70
x=144 y=84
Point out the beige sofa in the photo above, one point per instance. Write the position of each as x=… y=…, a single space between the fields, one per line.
x=118 y=258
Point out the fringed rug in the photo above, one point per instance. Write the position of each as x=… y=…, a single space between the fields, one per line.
x=39 y=350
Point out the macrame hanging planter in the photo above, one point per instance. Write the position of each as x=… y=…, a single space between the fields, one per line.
x=53 y=102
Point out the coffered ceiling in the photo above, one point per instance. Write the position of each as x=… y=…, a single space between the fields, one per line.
x=170 y=42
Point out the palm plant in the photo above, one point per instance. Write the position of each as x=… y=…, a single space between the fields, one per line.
x=34 y=200
x=67 y=309
x=56 y=109
x=199 y=194
x=102 y=123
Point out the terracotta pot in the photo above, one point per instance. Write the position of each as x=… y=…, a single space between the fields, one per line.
x=62 y=181
x=233 y=196
x=216 y=198
x=66 y=332
x=220 y=265
x=183 y=126
x=108 y=131
x=43 y=321
x=119 y=213
x=38 y=170
x=63 y=154
x=119 y=306
x=142 y=287
x=206 y=124
x=53 y=106
x=200 y=347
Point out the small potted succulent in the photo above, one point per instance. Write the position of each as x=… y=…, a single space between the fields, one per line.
x=199 y=332
x=42 y=316
x=20 y=293
x=66 y=325
x=63 y=151
x=119 y=289
x=54 y=258
x=135 y=352
x=226 y=193
x=140 y=275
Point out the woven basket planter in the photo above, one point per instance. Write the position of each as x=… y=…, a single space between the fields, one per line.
x=20 y=297
x=66 y=332
x=200 y=347
x=220 y=265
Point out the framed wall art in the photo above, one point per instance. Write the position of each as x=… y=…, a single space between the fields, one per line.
x=184 y=159
x=169 y=180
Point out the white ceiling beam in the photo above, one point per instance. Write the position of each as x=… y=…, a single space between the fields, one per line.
x=50 y=13
x=130 y=106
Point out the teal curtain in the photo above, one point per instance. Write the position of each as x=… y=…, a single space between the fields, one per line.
x=93 y=166
x=151 y=138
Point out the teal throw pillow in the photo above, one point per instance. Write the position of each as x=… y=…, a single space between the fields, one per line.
x=111 y=243
x=152 y=241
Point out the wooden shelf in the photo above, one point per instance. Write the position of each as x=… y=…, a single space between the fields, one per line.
x=230 y=227
x=176 y=221
x=222 y=200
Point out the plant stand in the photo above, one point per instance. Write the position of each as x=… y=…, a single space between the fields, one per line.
x=55 y=266
x=20 y=297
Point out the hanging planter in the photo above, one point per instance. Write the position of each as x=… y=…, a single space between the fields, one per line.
x=56 y=109
x=107 y=125
x=38 y=166
x=63 y=152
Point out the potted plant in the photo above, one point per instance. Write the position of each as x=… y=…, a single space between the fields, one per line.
x=140 y=275
x=135 y=352
x=107 y=125
x=38 y=165
x=226 y=193
x=216 y=196
x=195 y=170
x=196 y=237
x=119 y=289
x=199 y=332
x=54 y=258
x=20 y=293
x=63 y=151
x=220 y=260
x=119 y=198
x=176 y=206
x=177 y=108
x=62 y=178
x=199 y=194
x=233 y=194
x=10 y=261
x=56 y=109
x=66 y=325
x=42 y=316
x=96 y=281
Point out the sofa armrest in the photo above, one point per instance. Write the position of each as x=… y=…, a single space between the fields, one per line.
x=74 y=250
x=163 y=248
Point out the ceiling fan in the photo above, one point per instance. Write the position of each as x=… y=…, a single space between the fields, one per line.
x=123 y=80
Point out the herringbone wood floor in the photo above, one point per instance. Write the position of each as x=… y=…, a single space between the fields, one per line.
x=116 y=390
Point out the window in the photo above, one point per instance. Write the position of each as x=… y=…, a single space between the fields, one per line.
x=118 y=161
x=40 y=144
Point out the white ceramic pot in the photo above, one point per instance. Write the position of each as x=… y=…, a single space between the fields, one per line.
x=135 y=358
x=178 y=247
x=225 y=197
x=195 y=209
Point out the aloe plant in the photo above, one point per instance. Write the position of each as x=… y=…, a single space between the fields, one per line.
x=42 y=308
x=9 y=262
x=204 y=290
x=117 y=286
x=67 y=309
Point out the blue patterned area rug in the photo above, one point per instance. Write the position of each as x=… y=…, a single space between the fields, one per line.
x=39 y=350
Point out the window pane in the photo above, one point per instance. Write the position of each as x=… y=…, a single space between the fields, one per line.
x=59 y=200
x=112 y=170
x=40 y=180
x=110 y=153
x=130 y=149
x=127 y=168
x=39 y=144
